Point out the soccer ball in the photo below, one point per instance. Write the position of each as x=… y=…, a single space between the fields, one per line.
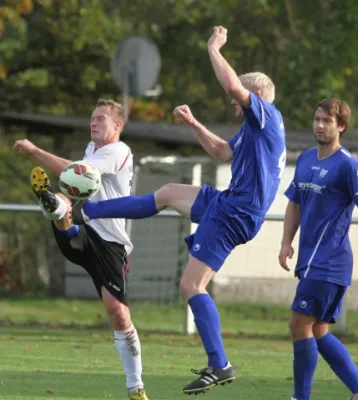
x=80 y=180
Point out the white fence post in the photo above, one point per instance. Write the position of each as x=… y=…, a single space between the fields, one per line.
x=189 y=324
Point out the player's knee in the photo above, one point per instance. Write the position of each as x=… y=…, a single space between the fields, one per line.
x=118 y=313
x=188 y=288
x=119 y=317
x=292 y=325
x=121 y=321
x=299 y=329
x=320 y=329
x=165 y=195
x=295 y=329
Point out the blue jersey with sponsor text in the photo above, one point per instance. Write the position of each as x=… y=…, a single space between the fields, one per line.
x=259 y=157
x=326 y=191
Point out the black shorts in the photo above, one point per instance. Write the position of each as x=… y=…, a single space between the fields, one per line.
x=106 y=262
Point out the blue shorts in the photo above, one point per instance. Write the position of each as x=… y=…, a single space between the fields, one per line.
x=320 y=299
x=222 y=226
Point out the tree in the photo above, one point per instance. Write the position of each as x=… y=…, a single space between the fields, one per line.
x=57 y=54
x=56 y=57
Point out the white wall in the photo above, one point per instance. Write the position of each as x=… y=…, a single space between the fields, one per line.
x=259 y=258
x=223 y=177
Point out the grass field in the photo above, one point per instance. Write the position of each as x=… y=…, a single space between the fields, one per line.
x=58 y=349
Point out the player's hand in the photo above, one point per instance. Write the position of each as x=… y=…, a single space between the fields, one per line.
x=183 y=113
x=24 y=146
x=218 y=38
x=286 y=251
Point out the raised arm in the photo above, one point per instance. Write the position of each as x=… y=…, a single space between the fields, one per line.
x=216 y=147
x=225 y=74
x=54 y=163
x=290 y=227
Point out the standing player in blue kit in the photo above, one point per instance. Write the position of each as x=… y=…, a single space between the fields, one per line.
x=226 y=218
x=321 y=197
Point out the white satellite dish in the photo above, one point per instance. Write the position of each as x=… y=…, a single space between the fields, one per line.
x=135 y=66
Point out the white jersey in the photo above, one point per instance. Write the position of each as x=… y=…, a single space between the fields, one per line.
x=115 y=163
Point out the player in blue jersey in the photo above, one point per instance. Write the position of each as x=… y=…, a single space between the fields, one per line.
x=321 y=197
x=226 y=218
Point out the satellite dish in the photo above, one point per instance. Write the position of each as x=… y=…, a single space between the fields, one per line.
x=135 y=65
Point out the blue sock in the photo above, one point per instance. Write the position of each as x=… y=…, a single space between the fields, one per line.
x=130 y=207
x=338 y=358
x=304 y=365
x=207 y=321
x=70 y=233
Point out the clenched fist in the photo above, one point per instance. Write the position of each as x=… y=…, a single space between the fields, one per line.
x=24 y=146
x=184 y=114
x=218 y=38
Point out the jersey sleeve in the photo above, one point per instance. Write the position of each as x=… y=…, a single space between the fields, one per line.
x=235 y=139
x=110 y=159
x=259 y=113
x=352 y=180
x=292 y=192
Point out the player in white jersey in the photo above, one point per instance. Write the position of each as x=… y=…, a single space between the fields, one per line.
x=115 y=162
x=101 y=246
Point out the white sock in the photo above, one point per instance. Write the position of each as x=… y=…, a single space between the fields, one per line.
x=128 y=347
x=58 y=213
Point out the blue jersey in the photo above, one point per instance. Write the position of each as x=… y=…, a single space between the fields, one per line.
x=326 y=191
x=259 y=156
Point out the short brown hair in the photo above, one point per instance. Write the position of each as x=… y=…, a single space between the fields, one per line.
x=116 y=108
x=338 y=109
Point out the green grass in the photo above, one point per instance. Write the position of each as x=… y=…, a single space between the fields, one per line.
x=245 y=320
x=70 y=364
x=54 y=349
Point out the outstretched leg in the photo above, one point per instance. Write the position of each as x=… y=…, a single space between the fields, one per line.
x=176 y=196
x=52 y=206
x=55 y=207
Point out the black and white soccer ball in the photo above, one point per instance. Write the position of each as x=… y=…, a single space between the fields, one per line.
x=80 y=180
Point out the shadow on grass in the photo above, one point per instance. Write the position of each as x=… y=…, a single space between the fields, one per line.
x=57 y=385
x=40 y=385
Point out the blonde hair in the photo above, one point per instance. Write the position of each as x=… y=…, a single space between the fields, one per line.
x=115 y=108
x=257 y=81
